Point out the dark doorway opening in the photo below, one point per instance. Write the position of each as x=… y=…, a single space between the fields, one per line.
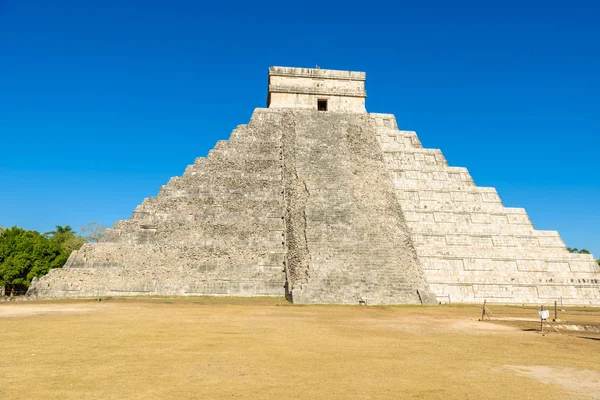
x=322 y=105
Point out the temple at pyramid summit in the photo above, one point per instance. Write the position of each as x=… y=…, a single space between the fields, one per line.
x=320 y=201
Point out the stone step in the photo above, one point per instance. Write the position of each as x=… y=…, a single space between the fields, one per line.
x=486 y=194
x=442 y=229
x=193 y=203
x=211 y=211
x=384 y=121
x=425 y=251
x=534 y=241
x=205 y=239
x=415 y=218
x=475 y=207
x=444 y=177
x=517 y=279
x=240 y=218
x=428 y=156
x=398 y=143
x=414 y=184
x=528 y=263
x=250 y=190
x=527 y=294
x=387 y=135
x=250 y=151
x=232 y=167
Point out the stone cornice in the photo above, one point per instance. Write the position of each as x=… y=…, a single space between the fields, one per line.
x=317 y=91
x=318 y=73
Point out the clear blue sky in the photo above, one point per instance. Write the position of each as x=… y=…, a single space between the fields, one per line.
x=101 y=102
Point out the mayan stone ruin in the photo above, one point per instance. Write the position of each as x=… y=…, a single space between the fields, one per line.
x=319 y=200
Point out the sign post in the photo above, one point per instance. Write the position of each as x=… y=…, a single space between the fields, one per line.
x=544 y=314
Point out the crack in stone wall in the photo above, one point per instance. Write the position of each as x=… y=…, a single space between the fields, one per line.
x=297 y=255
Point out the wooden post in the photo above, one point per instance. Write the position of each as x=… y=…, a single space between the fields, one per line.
x=542 y=319
x=555 y=311
x=483 y=310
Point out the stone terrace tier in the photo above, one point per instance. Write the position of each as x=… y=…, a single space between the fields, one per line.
x=472 y=247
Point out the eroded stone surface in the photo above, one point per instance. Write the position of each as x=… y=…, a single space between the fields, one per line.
x=335 y=206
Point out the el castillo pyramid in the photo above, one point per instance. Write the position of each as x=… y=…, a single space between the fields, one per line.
x=322 y=202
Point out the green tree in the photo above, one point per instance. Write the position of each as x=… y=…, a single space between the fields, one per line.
x=27 y=254
x=60 y=233
x=65 y=236
x=577 y=251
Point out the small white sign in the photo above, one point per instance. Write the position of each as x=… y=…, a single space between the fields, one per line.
x=545 y=314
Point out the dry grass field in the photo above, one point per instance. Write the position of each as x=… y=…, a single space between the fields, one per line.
x=213 y=348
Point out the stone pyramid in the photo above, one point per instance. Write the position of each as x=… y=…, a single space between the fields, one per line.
x=322 y=202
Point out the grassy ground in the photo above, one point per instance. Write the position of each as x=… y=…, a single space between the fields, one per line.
x=205 y=348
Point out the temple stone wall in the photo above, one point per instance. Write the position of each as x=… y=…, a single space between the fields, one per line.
x=472 y=247
x=309 y=102
x=301 y=88
x=335 y=206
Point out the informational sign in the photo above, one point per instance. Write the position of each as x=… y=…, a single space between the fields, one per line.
x=544 y=314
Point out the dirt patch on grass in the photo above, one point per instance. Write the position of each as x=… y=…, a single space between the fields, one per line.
x=29 y=310
x=583 y=383
x=474 y=326
x=422 y=324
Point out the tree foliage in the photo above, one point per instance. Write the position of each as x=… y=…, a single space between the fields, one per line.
x=577 y=251
x=66 y=238
x=27 y=254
